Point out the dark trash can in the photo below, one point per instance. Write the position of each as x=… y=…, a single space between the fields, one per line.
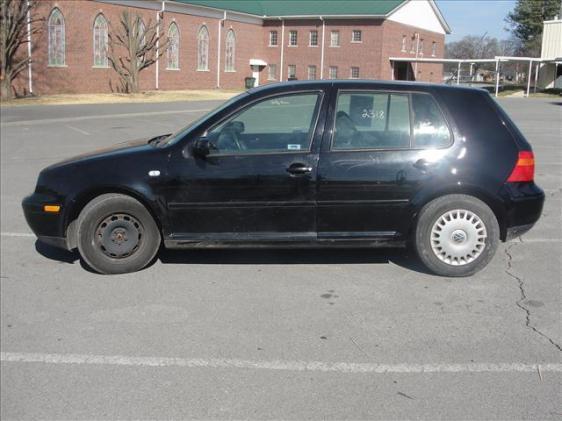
x=249 y=82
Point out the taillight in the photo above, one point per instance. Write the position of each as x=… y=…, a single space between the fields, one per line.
x=524 y=170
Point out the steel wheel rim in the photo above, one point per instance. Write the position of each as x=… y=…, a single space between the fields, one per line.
x=119 y=235
x=458 y=237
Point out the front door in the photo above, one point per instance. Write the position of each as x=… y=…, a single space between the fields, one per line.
x=379 y=156
x=259 y=180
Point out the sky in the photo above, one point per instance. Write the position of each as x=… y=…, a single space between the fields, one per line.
x=476 y=17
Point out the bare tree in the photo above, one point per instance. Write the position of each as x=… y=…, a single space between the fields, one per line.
x=132 y=48
x=13 y=36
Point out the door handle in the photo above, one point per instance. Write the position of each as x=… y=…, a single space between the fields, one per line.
x=299 y=169
x=424 y=165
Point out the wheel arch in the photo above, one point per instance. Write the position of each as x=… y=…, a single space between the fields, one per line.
x=78 y=203
x=495 y=204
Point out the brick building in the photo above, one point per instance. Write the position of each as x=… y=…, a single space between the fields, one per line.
x=219 y=43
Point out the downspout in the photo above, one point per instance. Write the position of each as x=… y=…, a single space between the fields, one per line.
x=29 y=74
x=282 y=49
x=162 y=9
x=322 y=51
x=221 y=23
x=417 y=52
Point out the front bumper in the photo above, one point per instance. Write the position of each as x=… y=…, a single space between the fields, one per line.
x=48 y=227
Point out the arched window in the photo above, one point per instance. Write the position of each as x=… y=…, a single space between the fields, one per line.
x=203 y=49
x=230 y=50
x=100 y=41
x=56 y=38
x=173 y=61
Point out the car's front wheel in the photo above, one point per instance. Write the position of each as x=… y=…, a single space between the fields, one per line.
x=456 y=235
x=117 y=234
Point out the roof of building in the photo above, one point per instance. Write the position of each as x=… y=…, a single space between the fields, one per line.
x=287 y=8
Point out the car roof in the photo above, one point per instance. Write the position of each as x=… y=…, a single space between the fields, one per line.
x=359 y=84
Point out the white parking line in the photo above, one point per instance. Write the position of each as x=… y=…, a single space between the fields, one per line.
x=84 y=132
x=96 y=117
x=337 y=367
x=17 y=234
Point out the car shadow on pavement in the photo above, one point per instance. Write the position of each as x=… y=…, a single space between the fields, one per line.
x=306 y=256
x=401 y=257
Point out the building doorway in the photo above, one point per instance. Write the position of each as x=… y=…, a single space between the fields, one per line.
x=403 y=71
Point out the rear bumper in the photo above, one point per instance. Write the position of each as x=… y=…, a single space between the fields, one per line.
x=48 y=227
x=524 y=203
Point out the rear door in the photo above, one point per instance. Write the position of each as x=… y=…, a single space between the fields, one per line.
x=382 y=149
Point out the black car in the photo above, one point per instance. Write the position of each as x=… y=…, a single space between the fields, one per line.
x=304 y=164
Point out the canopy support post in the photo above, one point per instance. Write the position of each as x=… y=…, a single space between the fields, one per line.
x=497 y=77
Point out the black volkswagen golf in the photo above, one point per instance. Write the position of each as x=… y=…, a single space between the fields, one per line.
x=304 y=164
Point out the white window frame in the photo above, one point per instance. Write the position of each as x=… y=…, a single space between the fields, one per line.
x=433 y=49
x=272 y=72
x=203 y=41
x=100 y=41
x=310 y=44
x=420 y=49
x=289 y=67
x=311 y=69
x=352 y=68
x=173 y=50
x=357 y=31
x=334 y=36
x=230 y=51
x=333 y=69
x=296 y=38
x=273 y=35
x=404 y=48
x=56 y=39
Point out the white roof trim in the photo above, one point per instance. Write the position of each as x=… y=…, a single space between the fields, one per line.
x=257 y=62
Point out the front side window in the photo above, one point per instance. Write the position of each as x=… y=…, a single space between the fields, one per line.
x=100 y=41
x=173 y=59
x=56 y=38
x=311 y=72
x=272 y=72
x=293 y=38
x=230 y=45
x=335 y=39
x=292 y=71
x=430 y=128
x=274 y=125
x=272 y=38
x=333 y=72
x=354 y=73
x=366 y=120
x=313 y=42
x=356 y=36
x=203 y=49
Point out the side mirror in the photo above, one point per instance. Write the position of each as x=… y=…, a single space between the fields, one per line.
x=201 y=147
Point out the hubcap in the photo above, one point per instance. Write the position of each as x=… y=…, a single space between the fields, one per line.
x=458 y=237
x=119 y=235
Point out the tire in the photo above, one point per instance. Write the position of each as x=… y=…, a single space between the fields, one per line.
x=456 y=235
x=117 y=234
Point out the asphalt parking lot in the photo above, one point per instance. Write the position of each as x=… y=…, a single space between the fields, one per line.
x=332 y=334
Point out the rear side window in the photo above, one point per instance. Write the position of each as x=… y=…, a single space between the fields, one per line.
x=388 y=120
x=372 y=121
x=430 y=128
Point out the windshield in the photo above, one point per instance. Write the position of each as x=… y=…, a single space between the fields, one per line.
x=182 y=132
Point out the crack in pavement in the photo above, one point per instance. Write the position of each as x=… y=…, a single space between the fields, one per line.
x=519 y=303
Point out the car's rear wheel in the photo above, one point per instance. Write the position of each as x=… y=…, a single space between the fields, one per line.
x=117 y=234
x=456 y=235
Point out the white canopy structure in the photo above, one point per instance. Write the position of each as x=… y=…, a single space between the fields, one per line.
x=497 y=60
